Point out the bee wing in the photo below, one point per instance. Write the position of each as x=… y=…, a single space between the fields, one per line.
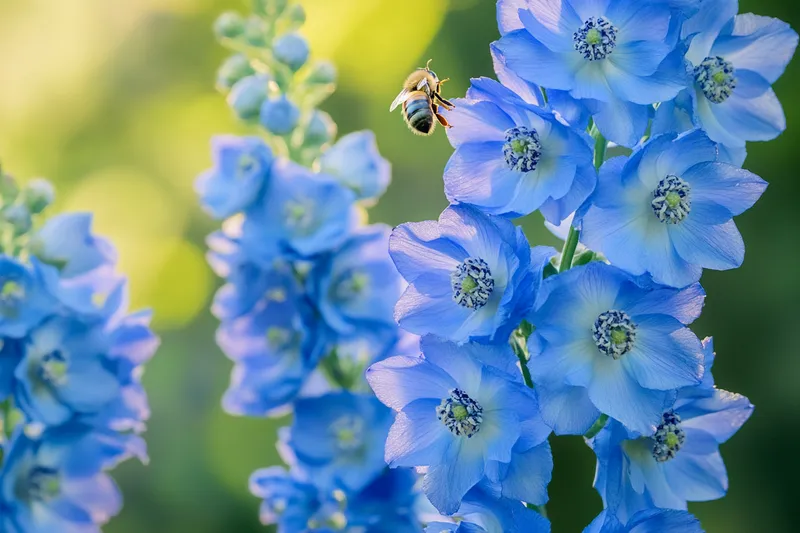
x=402 y=97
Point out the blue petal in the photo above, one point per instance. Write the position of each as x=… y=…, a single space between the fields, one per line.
x=399 y=380
x=762 y=44
x=511 y=82
x=508 y=15
x=534 y=62
x=418 y=437
x=417 y=248
x=734 y=188
x=528 y=474
x=615 y=393
x=551 y=23
x=621 y=122
x=568 y=410
x=721 y=414
x=446 y=484
x=476 y=122
x=477 y=174
x=639 y=21
x=684 y=304
x=717 y=247
x=697 y=478
x=663 y=521
x=665 y=355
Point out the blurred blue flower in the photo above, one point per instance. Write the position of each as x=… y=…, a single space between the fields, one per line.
x=291 y=49
x=672 y=202
x=469 y=275
x=338 y=439
x=242 y=168
x=248 y=94
x=275 y=345
x=605 y=343
x=279 y=115
x=25 y=299
x=300 y=214
x=56 y=481
x=64 y=372
x=66 y=242
x=647 y=521
x=387 y=505
x=291 y=504
x=355 y=287
x=355 y=161
x=457 y=416
x=512 y=158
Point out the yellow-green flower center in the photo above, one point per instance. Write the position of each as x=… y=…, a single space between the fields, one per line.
x=459 y=411
x=593 y=36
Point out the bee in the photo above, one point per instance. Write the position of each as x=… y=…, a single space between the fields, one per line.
x=421 y=99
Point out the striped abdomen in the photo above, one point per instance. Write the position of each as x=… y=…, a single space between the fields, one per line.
x=418 y=114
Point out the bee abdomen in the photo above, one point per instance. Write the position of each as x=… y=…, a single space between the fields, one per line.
x=418 y=114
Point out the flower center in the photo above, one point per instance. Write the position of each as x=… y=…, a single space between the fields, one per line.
x=595 y=39
x=716 y=78
x=613 y=333
x=247 y=164
x=349 y=433
x=671 y=200
x=351 y=286
x=11 y=295
x=53 y=368
x=669 y=437
x=522 y=149
x=43 y=484
x=283 y=339
x=460 y=414
x=472 y=283
x=299 y=216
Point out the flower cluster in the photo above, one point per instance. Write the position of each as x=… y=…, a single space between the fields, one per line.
x=624 y=123
x=71 y=358
x=309 y=285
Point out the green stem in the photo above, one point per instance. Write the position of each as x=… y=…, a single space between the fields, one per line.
x=519 y=345
x=568 y=253
x=541 y=509
x=600 y=145
x=597 y=426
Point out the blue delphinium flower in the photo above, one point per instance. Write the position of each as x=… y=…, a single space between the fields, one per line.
x=355 y=161
x=615 y=57
x=468 y=274
x=300 y=214
x=605 y=343
x=338 y=439
x=481 y=513
x=673 y=203
x=735 y=61
x=457 y=416
x=512 y=158
x=24 y=297
x=65 y=372
x=387 y=505
x=680 y=460
x=66 y=241
x=242 y=167
x=356 y=287
x=647 y=521
x=290 y=503
x=275 y=344
x=56 y=481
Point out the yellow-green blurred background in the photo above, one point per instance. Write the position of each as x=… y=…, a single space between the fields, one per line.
x=114 y=101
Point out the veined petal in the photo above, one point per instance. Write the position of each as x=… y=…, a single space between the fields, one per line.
x=718 y=247
x=734 y=188
x=446 y=484
x=697 y=478
x=477 y=174
x=417 y=437
x=534 y=62
x=476 y=122
x=568 y=410
x=417 y=247
x=528 y=474
x=400 y=380
x=551 y=24
x=721 y=414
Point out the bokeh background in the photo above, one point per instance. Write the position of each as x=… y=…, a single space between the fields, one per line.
x=114 y=101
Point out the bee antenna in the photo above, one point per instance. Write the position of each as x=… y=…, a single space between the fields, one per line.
x=428 y=64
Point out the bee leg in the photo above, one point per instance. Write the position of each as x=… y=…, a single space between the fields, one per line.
x=446 y=103
x=442 y=120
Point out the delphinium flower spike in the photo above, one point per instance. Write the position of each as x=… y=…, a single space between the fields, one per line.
x=71 y=402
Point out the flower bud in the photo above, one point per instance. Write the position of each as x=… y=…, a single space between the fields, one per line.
x=229 y=25
x=279 y=115
x=291 y=50
x=38 y=194
x=8 y=188
x=232 y=70
x=296 y=16
x=321 y=129
x=19 y=217
x=322 y=73
x=255 y=32
x=247 y=96
x=269 y=8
